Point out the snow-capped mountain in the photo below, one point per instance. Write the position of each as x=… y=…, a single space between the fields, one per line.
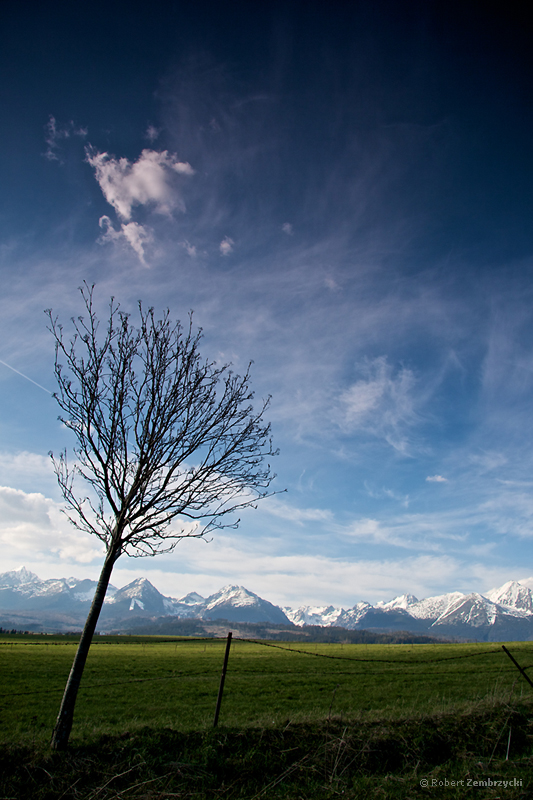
x=313 y=615
x=24 y=593
x=504 y=613
x=23 y=590
x=512 y=594
x=139 y=595
x=235 y=603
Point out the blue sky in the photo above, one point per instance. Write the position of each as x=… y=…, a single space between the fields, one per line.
x=342 y=194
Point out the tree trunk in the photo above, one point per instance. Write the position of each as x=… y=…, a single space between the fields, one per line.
x=63 y=726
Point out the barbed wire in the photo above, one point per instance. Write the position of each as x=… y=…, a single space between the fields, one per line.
x=368 y=660
x=184 y=675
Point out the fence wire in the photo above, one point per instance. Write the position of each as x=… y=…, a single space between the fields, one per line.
x=286 y=649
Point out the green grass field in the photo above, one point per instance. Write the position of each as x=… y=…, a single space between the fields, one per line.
x=130 y=683
x=358 y=720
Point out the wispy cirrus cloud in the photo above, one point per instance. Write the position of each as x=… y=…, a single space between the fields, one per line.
x=294 y=514
x=56 y=133
x=378 y=494
x=381 y=402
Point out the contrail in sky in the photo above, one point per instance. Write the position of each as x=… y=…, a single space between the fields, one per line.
x=25 y=376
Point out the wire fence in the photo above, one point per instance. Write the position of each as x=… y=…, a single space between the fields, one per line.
x=420 y=663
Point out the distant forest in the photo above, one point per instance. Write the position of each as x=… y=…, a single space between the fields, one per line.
x=172 y=626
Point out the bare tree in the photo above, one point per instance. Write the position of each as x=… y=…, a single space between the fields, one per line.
x=169 y=444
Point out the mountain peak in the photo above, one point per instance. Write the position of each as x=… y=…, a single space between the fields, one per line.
x=17 y=577
x=402 y=601
x=191 y=599
x=512 y=594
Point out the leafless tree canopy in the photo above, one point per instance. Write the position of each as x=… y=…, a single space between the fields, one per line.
x=169 y=443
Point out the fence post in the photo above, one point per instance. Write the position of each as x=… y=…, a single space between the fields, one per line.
x=222 y=679
x=517 y=665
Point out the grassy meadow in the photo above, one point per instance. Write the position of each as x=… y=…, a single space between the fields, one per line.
x=133 y=682
x=329 y=714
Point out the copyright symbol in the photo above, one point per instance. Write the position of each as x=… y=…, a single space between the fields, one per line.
x=424 y=782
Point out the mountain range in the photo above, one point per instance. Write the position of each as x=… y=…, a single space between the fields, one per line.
x=29 y=603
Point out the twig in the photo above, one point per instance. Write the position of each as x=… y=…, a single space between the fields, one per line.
x=337 y=757
x=281 y=777
x=69 y=788
x=143 y=783
x=120 y=774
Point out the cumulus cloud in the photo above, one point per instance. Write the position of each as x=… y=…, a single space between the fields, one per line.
x=436 y=479
x=55 y=133
x=25 y=468
x=226 y=246
x=147 y=181
x=134 y=234
x=30 y=522
x=381 y=402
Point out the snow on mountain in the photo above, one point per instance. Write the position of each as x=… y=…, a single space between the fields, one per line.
x=512 y=594
x=471 y=609
x=313 y=615
x=364 y=615
x=139 y=595
x=526 y=582
x=238 y=604
x=237 y=595
x=403 y=601
x=502 y=613
x=353 y=616
x=433 y=607
x=192 y=599
x=17 y=577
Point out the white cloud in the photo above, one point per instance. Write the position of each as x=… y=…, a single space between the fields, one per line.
x=384 y=492
x=367 y=529
x=296 y=579
x=190 y=248
x=152 y=133
x=331 y=283
x=287 y=228
x=436 y=479
x=226 y=246
x=292 y=514
x=146 y=181
x=25 y=464
x=488 y=460
x=31 y=523
x=135 y=235
x=380 y=403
